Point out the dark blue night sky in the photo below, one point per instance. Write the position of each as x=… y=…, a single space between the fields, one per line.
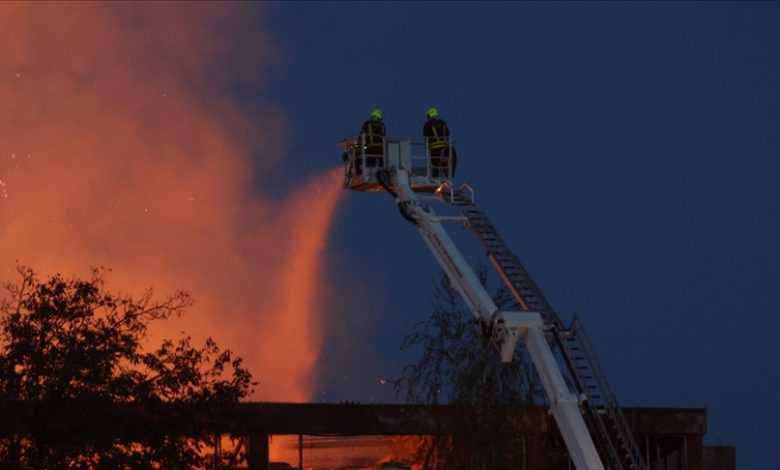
x=628 y=152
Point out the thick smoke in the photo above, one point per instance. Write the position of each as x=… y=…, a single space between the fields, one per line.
x=120 y=146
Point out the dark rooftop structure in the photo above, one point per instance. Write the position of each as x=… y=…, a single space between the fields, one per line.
x=670 y=438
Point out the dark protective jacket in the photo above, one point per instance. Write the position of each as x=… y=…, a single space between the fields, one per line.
x=436 y=133
x=374 y=133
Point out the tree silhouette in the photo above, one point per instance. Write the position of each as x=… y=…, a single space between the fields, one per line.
x=459 y=366
x=71 y=353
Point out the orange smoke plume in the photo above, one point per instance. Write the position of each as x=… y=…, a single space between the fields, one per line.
x=120 y=147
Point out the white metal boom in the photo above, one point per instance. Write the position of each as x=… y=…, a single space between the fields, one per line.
x=416 y=180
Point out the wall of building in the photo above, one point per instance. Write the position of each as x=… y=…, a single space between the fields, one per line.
x=719 y=457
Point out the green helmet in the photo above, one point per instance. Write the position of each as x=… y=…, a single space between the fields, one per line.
x=376 y=114
x=432 y=113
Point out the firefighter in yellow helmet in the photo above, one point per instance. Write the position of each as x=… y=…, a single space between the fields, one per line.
x=372 y=138
x=444 y=159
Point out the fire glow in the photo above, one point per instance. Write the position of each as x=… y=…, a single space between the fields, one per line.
x=135 y=158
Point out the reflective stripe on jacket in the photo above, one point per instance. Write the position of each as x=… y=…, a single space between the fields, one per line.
x=436 y=133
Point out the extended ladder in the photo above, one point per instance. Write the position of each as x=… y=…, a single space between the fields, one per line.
x=607 y=423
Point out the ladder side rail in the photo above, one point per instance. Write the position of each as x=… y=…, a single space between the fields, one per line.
x=513 y=289
x=634 y=451
x=480 y=225
x=598 y=373
x=569 y=360
x=589 y=405
x=531 y=285
x=612 y=405
x=609 y=451
x=570 y=357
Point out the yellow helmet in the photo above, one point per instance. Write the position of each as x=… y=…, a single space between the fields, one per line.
x=376 y=114
x=432 y=113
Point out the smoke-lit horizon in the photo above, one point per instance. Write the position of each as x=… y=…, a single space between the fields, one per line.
x=121 y=146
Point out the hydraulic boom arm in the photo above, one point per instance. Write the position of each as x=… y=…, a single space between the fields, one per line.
x=506 y=327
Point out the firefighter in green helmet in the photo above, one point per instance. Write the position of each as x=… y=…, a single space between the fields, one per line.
x=444 y=159
x=372 y=138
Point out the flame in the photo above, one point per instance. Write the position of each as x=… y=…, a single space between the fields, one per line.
x=353 y=452
x=120 y=147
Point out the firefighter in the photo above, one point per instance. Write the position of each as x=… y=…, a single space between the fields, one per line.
x=372 y=138
x=437 y=140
